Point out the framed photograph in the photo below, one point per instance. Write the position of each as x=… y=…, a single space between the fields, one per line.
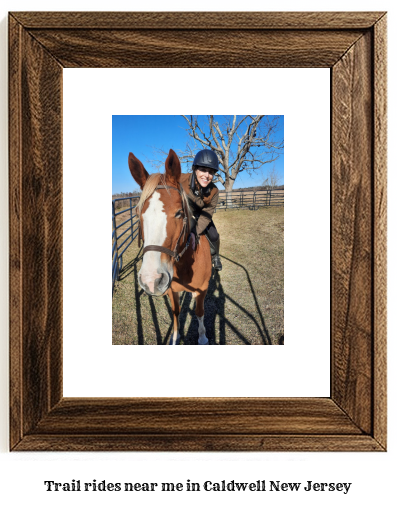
x=243 y=303
x=353 y=46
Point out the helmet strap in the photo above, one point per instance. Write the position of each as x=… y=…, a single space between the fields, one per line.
x=197 y=185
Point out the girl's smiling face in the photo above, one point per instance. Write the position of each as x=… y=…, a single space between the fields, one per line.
x=204 y=176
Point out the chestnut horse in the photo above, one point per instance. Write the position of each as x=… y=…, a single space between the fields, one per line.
x=170 y=265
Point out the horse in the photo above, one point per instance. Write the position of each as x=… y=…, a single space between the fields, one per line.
x=170 y=264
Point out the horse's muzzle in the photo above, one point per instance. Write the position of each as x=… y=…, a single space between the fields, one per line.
x=156 y=287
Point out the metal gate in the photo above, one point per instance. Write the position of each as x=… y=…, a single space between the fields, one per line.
x=130 y=232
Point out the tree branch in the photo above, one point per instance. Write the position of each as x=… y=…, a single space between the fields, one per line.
x=250 y=147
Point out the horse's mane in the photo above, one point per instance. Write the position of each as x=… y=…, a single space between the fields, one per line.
x=151 y=183
x=150 y=186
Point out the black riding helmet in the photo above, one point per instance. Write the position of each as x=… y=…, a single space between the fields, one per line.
x=206 y=158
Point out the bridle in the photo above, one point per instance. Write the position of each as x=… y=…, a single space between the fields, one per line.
x=156 y=248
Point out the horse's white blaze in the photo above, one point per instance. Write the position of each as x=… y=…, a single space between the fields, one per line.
x=155 y=233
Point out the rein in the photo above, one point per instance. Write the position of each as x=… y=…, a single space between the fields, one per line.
x=156 y=248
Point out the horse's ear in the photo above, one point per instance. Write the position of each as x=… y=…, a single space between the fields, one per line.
x=172 y=168
x=137 y=170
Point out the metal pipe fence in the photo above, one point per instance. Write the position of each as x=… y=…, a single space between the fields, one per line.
x=250 y=200
x=127 y=235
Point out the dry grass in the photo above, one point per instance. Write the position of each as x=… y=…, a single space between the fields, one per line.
x=244 y=303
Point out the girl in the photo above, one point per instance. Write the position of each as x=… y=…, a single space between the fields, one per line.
x=203 y=197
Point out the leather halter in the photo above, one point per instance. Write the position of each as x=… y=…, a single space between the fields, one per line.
x=156 y=248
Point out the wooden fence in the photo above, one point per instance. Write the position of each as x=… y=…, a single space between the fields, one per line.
x=250 y=199
x=228 y=200
x=119 y=202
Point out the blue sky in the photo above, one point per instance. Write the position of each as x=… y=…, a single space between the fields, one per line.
x=142 y=135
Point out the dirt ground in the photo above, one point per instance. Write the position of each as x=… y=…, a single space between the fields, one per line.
x=244 y=303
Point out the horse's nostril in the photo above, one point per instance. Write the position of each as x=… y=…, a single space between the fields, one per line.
x=160 y=284
x=159 y=281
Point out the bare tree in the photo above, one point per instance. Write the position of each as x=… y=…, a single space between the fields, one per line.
x=242 y=143
x=272 y=178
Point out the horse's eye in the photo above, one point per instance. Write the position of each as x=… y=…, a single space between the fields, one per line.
x=178 y=214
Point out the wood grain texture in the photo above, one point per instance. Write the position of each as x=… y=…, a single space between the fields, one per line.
x=207 y=21
x=196 y=48
x=36 y=231
x=15 y=230
x=192 y=416
x=199 y=443
x=354 y=46
x=352 y=256
x=380 y=229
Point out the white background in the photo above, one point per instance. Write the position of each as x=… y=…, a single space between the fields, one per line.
x=372 y=475
x=134 y=371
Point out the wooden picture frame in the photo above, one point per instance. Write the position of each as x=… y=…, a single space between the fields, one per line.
x=353 y=46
